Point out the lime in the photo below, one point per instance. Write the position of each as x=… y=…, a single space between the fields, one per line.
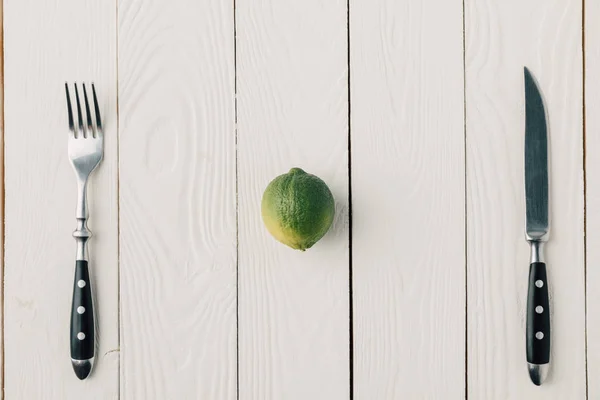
x=298 y=209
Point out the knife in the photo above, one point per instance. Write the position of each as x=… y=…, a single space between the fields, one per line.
x=537 y=231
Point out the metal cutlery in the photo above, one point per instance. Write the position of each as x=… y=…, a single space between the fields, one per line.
x=537 y=231
x=85 y=148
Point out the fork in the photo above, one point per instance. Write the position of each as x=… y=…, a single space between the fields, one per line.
x=85 y=153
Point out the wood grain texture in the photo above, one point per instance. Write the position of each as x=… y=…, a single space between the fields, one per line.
x=592 y=142
x=501 y=38
x=292 y=112
x=408 y=199
x=178 y=204
x=47 y=43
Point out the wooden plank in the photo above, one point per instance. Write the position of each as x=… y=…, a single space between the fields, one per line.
x=502 y=37
x=408 y=198
x=292 y=112
x=47 y=43
x=178 y=203
x=592 y=142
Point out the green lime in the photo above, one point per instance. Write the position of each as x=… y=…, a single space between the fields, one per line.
x=298 y=209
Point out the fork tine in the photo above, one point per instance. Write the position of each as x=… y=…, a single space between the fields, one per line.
x=69 y=109
x=90 y=128
x=97 y=110
x=79 y=117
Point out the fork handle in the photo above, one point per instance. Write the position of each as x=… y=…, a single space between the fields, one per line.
x=82 y=321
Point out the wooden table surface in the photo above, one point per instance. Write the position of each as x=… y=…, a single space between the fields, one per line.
x=412 y=111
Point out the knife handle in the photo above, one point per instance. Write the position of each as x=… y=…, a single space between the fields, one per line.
x=538 y=315
x=82 y=318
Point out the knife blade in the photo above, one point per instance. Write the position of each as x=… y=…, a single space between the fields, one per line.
x=537 y=231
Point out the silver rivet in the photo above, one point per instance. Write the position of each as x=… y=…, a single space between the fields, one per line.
x=539 y=335
x=81 y=283
x=539 y=309
x=81 y=335
x=80 y=310
x=539 y=283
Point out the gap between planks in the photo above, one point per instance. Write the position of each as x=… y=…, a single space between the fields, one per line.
x=350 y=288
x=2 y=208
x=466 y=211
x=237 y=208
x=585 y=308
x=118 y=199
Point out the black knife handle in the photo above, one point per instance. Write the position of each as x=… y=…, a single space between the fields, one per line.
x=82 y=314
x=538 y=315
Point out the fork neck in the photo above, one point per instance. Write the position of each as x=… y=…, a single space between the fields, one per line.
x=82 y=211
x=82 y=233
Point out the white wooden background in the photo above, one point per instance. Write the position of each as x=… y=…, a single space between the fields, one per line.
x=411 y=110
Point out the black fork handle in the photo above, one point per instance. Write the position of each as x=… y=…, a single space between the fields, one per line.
x=82 y=321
